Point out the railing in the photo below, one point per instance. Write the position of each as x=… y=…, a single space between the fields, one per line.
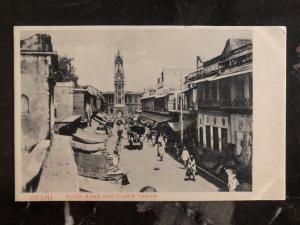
x=145 y=108
x=245 y=103
x=209 y=103
x=236 y=103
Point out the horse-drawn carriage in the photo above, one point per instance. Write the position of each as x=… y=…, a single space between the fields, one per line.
x=135 y=136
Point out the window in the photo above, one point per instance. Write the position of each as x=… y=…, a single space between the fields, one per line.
x=225 y=89
x=214 y=91
x=240 y=86
x=25 y=104
x=206 y=92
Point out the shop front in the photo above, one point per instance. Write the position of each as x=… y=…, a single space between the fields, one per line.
x=213 y=130
x=242 y=136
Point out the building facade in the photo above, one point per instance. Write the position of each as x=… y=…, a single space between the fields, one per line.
x=159 y=103
x=220 y=90
x=38 y=64
x=120 y=102
x=215 y=100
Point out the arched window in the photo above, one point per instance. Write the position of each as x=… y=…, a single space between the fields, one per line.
x=25 y=104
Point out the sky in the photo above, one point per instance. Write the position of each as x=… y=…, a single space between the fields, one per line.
x=145 y=51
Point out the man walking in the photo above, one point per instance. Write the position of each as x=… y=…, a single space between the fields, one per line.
x=185 y=156
x=160 y=151
x=191 y=168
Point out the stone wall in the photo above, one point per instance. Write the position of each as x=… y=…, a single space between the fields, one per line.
x=35 y=121
x=63 y=100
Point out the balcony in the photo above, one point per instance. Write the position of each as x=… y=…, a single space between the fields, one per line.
x=209 y=103
x=245 y=103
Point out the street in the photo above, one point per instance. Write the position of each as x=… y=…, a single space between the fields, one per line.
x=145 y=168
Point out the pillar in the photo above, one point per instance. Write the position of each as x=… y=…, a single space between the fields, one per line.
x=211 y=137
x=220 y=138
x=198 y=129
x=204 y=136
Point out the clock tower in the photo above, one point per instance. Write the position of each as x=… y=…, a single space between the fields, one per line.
x=119 y=82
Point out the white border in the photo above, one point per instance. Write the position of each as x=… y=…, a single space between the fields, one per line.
x=269 y=91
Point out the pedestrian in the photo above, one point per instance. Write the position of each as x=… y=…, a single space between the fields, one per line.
x=153 y=139
x=191 y=168
x=120 y=133
x=116 y=158
x=176 y=150
x=233 y=182
x=119 y=145
x=185 y=156
x=160 y=150
x=161 y=141
x=89 y=113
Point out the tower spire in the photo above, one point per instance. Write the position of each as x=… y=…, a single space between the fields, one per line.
x=118 y=49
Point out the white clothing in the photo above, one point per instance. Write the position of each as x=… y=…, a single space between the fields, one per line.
x=185 y=155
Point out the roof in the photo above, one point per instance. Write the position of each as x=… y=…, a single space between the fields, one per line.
x=133 y=93
x=176 y=127
x=157 y=117
x=126 y=92
x=162 y=95
x=107 y=92
x=232 y=44
x=37 y=43
x=147 y=97
x=91 y=90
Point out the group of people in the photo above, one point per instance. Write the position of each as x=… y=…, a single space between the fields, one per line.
x=118 y=147
x=159 y=140
x=189 y=164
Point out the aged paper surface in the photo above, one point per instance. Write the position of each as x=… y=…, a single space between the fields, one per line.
x=157 y=114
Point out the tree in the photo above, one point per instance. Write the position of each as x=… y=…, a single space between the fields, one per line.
x=66 y=70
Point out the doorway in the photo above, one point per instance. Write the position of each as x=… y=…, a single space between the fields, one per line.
x=201 y=136
x=216 y=138
x=208 y=144
x=224 y=137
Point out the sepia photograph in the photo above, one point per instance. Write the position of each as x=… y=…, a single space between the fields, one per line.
x=121 y=111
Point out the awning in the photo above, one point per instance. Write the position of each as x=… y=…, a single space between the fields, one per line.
x=145 y=121
x=157 y=118
x=161 y=96
x=138 y=111
x=232 y=74
x=149 y=123
x=146 y=97
x=176 y=127
x=205 y=79
x=101 y=117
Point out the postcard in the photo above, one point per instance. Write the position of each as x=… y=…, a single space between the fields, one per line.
x=149 y=113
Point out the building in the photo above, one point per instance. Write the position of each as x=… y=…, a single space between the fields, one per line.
x=38 y=65
x=220 y=90
x=120 y=102
x=63 y=100
x=87 y=95
x=159 y=102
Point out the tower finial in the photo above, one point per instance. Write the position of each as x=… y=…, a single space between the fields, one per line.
x=118 y=49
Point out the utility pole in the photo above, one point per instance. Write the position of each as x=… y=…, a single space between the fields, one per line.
x=181 y=110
